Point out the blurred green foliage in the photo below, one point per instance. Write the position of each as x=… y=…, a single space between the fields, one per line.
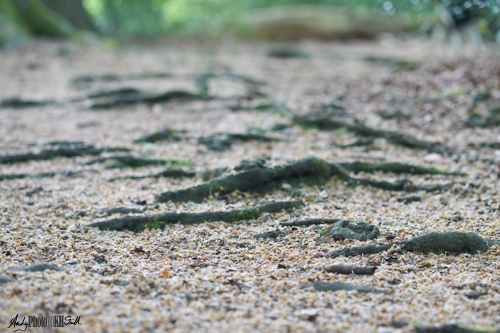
x=188 y=17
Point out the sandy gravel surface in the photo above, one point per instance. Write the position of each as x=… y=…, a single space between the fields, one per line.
x=216 y=277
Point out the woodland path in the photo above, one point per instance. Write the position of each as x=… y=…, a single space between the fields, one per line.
x=205 y=187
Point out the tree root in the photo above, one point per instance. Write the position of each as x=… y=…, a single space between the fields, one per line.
x=81 y=82
x=42 y=175
x=450 y=242
x=80 y=150
x=224 y=141
x=493 y=118
x=163 y=135
x=450 y=328
x=346 y=269
x=359 y=143
x=286 y=52
x=202 y=83
x=128 y=161
x=394 y=167
x=326 y=122
x=259 y=177
x=309 y=222
x=337 y=286
x=39 y=267
x=169 y=173
x=139 y=223
x=121 y=211
x=349 y=229
x=16 y=102
x=129 y=95
x=134 y=96
x=5 y=279
x=25 y=175
x=357 y=250
x=399 y=64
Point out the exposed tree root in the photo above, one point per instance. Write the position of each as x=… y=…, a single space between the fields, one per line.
x=16 y=102
x=202 y=83
x=271 y=234
x=129 y=95
x=493 y=145
x=450 y=242
x=309 y=222
x=224 y=141
x=5 y=279
x=346 y=269
x=169 y=173
x=337 y=286
x=388 y=115
x=359 y=143
x=81 y=82
x=47 y=154
x=493 y=118
x=128 y=161
x=357 y=250
x=327 y=122
x=450 y=328
x=109 y=99
x=136 y=96
x=25 y=175
x=42 y=175
x=121 y=210
x=254 y=177
x=163 y=135
x=139 y=223
x=39 y=267
x=262 y=178
x=394 y=167
x=399 y=64
x=286 y=52
x=349 y=229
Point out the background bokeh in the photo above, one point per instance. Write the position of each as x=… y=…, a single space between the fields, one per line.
x=211 y=17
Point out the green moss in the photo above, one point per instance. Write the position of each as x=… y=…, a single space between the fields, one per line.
x=244 y=215
x=434 y=170
x=154 y=224
x=216 y=188
x=137 y=164
x=341 y=131
x=378 y=234
x=322 y=232
x=463 y=239
x=306 y=125
x=264 y=106
x=321 y=170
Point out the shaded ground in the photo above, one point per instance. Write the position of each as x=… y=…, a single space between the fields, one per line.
x=216 y=276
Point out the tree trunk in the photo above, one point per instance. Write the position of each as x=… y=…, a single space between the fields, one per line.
x=72 y=11
x=40 y=20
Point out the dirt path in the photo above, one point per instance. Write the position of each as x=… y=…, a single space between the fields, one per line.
x=134 y=140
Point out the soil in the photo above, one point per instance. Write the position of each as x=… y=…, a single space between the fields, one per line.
x=213 y=276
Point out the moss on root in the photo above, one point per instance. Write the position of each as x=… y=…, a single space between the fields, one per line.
x=310 y=170
x=327 y=122
x=394 y=167
x=159 y=221
x=450 y=242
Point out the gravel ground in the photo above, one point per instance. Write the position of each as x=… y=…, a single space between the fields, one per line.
x=215 y=277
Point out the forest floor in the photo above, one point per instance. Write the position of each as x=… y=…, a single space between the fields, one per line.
x=235 y=124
